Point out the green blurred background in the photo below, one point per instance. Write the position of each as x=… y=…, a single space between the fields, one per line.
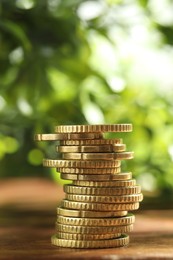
x=88 y=62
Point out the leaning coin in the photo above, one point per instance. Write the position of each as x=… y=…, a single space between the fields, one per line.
x=116 y=221
x=91 y=148
x=89 y=170
x=116 y=183
x=66 y=136
x=97 y=177
x=105 y=199
x=107 y=191
x=105 y=243
x=92 y=142
x=99 y=206
x=89 y=214
x=93 y=128
x=98 y=156
x=80 y=163
x=93 y=230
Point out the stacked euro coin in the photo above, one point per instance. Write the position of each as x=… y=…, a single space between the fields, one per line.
x=94 y=213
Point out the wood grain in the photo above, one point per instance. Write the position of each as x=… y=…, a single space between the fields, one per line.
x=25 y=232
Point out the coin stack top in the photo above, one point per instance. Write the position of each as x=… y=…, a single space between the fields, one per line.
x=94 y=213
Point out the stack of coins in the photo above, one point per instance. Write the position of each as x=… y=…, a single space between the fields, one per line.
x=94 y=213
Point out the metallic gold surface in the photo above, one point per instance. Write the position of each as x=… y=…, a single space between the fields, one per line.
x=89 y=214
x=93 y=128
x=93 y=230
x=91 y=148
x=89 y=170
x=106 y=243
x=105 y=199
x=116 y=221
x=72 y=189
x=99 y=206
x=94 y=213
x=97 y=177
x=92 y=142
x=115 y=183
x=66 y=136
x=80 y=163
x=98 y=156
x=86 y=237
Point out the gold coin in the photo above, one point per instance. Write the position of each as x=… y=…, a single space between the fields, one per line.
x=91 y=148
x=118 y=148
x=68 y=188
x=105 y=199
x=80 y=164
x=98 y=156
x=116 y=183
x=99 y=206
x=117 y=221
x=93 y=230
x=105 y=243
x=89 y=170
x=92 y=142
x=47 y=137
x=66 y=136
x=93 y=128
x=97 y=177
x=69 y=236
x=89 y=214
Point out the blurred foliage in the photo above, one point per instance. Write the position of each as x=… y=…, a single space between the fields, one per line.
x=78 y=62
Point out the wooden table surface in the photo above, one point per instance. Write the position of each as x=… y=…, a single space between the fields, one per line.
x=27 y=217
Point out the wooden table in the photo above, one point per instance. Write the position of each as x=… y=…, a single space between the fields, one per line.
x=27 y=217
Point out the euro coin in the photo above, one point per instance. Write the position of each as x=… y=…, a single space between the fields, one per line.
x=72 y=189
x=89 y=170
x=81 y=164
x=98 y=156
x=69 y=236
x=91 y=148
x=116 y=183
x=97 y=177
x=99 y=206
x=93 y=230
x=66 y=136
x=89 y=214
x=93 y=128
x=105 y=243
x=117 y=221
x=92 y=142
x=105 y=199
x=118 y=148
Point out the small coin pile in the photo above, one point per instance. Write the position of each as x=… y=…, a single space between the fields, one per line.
x=94 y=213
